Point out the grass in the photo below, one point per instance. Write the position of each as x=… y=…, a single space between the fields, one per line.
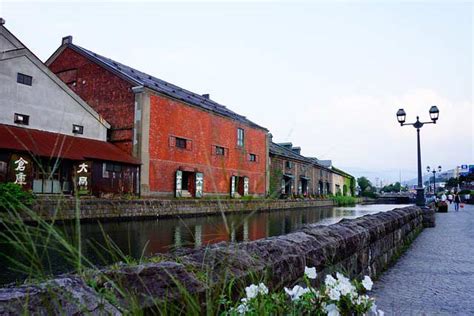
x=32 y=248
x=340 y=200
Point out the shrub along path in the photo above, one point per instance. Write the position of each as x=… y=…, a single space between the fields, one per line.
x=436 y=275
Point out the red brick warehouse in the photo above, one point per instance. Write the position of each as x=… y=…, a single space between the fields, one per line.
x=188 y=144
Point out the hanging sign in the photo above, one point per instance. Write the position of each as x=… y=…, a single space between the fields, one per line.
x=232 y=186
x=246 y=186
x=83 y=177
x=21 y=167
x=199 y=184
x=179 y=183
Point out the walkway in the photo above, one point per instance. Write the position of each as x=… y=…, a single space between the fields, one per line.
x=436 y=275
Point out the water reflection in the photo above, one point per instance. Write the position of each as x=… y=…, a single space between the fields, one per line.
x=146 y=237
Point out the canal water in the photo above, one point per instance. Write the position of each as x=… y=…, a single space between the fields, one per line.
x=104 y=243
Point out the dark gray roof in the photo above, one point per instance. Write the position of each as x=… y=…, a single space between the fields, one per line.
x=161 y=86
x=277 y=149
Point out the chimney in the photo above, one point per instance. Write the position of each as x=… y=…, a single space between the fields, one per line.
x=2 y=21
x=67 y=40
x=207 y=96
x=296 y=150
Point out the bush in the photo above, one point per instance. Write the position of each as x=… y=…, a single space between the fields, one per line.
x=344 y=200
x=13 y=197
x=369 y=194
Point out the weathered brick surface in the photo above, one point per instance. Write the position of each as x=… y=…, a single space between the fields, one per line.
x=169 y=117
x=105 y=92
x=364 y=245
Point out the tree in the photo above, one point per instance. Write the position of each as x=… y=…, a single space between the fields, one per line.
x=364 y=184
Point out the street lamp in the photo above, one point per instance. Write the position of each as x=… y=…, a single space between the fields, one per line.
x=401 y=116
x=428 y=169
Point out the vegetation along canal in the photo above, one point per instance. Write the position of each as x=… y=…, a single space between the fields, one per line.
x=108 y=242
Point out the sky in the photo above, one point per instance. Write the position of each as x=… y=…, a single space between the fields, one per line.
x=326 y=76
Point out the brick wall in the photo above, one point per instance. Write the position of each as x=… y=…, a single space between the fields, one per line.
x=105 y=92
x=203 y=130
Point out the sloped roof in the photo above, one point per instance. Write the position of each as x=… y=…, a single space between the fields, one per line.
x=280 y=150
x=55 y=145
x=22 y=50
x=159 y=85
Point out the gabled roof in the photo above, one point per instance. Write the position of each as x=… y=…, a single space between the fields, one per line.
x=55 y=145
x=163 y=87
x=22 y=50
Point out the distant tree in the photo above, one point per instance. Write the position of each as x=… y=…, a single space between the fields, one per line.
x=397 y=187
x=364 y=184
x=392 y=187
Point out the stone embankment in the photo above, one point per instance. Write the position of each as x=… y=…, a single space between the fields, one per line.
x=366 y=245
x=93 y=209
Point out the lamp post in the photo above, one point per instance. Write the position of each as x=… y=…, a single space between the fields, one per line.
x=428 y=169
x=401 y=116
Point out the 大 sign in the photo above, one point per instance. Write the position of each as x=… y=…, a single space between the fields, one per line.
x=83 y=177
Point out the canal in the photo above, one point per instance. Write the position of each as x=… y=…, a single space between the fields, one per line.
x=104 y=243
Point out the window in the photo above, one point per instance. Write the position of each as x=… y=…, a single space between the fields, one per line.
x=289 y=164
x=77 y=129
x=220 y=151
x=21 y=119
x=180 y=142
x=113 y=167
x=253 y=157
x=24 y=79
x=240 y=137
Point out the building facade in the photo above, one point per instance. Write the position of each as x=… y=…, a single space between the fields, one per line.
x=292 y=174
x=51 y=140
x=188 y=144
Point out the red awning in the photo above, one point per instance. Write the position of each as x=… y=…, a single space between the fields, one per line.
x=47 y=144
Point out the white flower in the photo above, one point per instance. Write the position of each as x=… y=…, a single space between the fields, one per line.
x=262 y=289
x=296 y=292
x=345 y=288
x=340 y=277
x=310 y=272
x=362 y=300
x=242 y=309
x=331 y=310
x=367 y=283
x=253 y=290
x=334 y=294
x=330 y=281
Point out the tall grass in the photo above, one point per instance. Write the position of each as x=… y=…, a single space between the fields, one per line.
x=30 y=251
x=340 y=200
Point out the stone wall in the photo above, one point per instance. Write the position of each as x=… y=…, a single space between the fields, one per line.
x=365 y=245
x=65 y=209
